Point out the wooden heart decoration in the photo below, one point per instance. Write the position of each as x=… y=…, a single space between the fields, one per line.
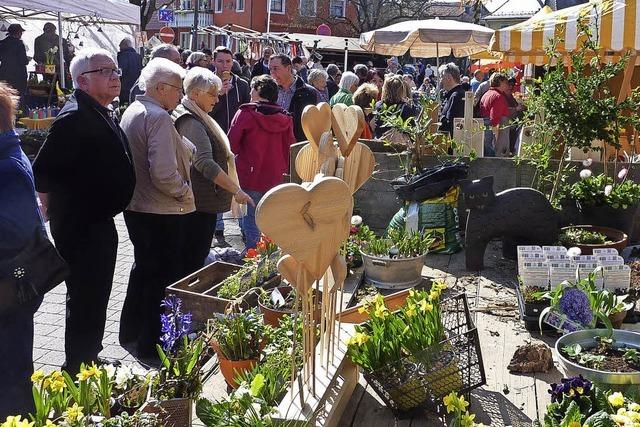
x=309 y=160
x=310 y=223
x=315 y=121
x=347 y=124
x=358 y=167
x=289 y=269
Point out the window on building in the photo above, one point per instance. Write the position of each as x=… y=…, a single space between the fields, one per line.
x=218 y=5
x=277 y=6
x=185 y=4
x=337 y=8
x=239 y=5
x=307 y=7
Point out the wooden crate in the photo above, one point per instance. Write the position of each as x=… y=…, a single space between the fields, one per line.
x=199 y=292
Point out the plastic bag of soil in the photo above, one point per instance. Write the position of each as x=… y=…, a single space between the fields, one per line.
x=429 y=183
x=438 y=215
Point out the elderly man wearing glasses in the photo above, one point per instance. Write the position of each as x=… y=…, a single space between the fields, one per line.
x=85 y=176
x=156 y=217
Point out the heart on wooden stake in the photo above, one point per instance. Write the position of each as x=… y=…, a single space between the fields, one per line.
x=310 y=223
x=315 y=121
x=359 y=166
x=347 y=124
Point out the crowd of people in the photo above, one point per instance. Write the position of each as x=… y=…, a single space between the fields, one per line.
x=204 y=133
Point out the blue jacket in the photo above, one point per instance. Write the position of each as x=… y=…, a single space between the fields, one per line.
x=19 y=213
x=130 y=62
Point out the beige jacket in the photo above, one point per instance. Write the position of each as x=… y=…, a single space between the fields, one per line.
x=162 y=160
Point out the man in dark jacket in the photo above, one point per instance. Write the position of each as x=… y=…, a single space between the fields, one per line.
x=293 y=94
x=14 y=59
x=453 y=102
x=49 y=39
x=334 y=78
x=234 y=93
x=130 y=62
x=85 y=171
x=262 y=66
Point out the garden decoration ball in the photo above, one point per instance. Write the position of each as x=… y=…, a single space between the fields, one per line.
x=523 y=215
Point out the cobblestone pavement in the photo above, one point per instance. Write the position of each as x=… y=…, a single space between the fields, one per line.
x=48 y=346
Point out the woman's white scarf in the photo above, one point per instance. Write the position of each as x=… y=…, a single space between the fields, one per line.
x=220 y=138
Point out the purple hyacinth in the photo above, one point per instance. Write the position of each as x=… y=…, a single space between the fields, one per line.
x=573 y=387
x=174 y=324
x=575 y=305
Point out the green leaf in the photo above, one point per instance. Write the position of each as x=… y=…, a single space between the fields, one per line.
x=600 y=419
x=257 y=384
x=601 y=401
x=573 y=414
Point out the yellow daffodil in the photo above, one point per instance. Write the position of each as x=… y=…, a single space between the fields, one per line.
x=634 y=416
x=49 y=423
x=91 y=371
x=74 y=413
x=633 y=406
x=379 y=299
x=381 y=312
x=462 y=404
x=450 y=402
x=362 y=309
x=575 y=424
x=616 y=399
x=467 y=419
x=37 y=376
x=361 y=338
x=411 y=310
x=57 y=385
x=425 y=306
x=16 y=421
x=412 y=293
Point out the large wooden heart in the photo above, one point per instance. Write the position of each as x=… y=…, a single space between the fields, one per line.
x=309 y=223
x=358 y=167
x=347 y=124
x=315 y=121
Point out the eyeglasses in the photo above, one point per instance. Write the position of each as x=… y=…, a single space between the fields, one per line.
x=106 y=72
x=173 y=86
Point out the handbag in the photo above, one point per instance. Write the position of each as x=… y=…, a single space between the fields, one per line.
x=33 y=272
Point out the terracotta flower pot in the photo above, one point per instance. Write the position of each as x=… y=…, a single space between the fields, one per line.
x=617 y=319
x=618 y=239
x=232 y=368
x=272 y=316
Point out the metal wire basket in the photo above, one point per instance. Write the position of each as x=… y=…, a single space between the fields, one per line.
x=421 y=380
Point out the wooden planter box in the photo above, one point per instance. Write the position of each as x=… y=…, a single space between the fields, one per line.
x=199 y=292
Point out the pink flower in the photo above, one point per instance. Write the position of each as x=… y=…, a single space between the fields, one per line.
x=608 y=189
x=585 y=173
x=587 y=162
x=622 y=173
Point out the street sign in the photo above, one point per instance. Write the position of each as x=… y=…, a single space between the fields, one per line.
x=167 y=34
x=165 y=15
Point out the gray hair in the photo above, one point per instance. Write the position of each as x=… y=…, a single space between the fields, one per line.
x=451 y=69
x=127 y=41
x=315 y=75
x=163 y=51
x=157 y=71
x=195 y=57
x=361 y=70
x=81 y=62
x=200 y=78
x=333 y=70
x=348 y=79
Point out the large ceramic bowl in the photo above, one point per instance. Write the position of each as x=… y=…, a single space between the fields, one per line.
x=587 y=339
x=617 y=239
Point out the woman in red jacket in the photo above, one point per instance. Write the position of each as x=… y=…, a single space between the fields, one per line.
x=260 y=134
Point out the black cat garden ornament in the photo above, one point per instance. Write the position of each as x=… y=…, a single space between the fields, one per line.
x=521 y=215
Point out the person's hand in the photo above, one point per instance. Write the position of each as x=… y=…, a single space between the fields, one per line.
x=43 y=200
x=243 y=198
x=226 y=87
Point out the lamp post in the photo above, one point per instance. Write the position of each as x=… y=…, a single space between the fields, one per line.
x=269 y=15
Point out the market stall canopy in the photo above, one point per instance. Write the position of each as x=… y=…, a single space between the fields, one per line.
x=615 y=22
x=103 y=11
x=428 y=38
x=329 y=43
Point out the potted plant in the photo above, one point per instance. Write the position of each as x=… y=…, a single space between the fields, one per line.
x=581 y=305
x=49 y=60
x=278 y=302
x=359 y=235
x=530 y=304
x=395 y=262
x=576 y=401
x=182 y=358
x=590 y=237
x=130 y=386
x=237 y=338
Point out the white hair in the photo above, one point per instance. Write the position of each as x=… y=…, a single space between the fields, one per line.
x=317 y=74
x=81 y=62
x=200 y=78
x=194 y=57
x=348 y=79
x=158 y=70
x=163 y=51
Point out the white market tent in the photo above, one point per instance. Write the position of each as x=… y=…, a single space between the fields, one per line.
x=102 y=23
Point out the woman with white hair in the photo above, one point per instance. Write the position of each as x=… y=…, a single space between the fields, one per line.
x=348 y=85
x=156 y=216
x=213 y=175
x=197 y=59
x=318 y=79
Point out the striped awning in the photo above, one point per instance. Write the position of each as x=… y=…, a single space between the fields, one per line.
x=616 y=24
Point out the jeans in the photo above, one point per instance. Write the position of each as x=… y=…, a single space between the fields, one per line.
x=489 y=150
x=248 y=222
x=16 y=360
x=219 y=223
x=90 y=249
x=159 y=253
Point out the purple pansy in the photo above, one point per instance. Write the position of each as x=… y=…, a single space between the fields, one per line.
x=572 y=387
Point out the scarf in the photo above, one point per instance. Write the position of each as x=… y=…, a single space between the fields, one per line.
x=221 y=138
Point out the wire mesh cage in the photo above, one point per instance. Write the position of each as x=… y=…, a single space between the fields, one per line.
x=421 y=380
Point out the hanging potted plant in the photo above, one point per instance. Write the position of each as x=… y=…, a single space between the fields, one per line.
x=237 y=339
x=395 y=262
x=182 y=358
